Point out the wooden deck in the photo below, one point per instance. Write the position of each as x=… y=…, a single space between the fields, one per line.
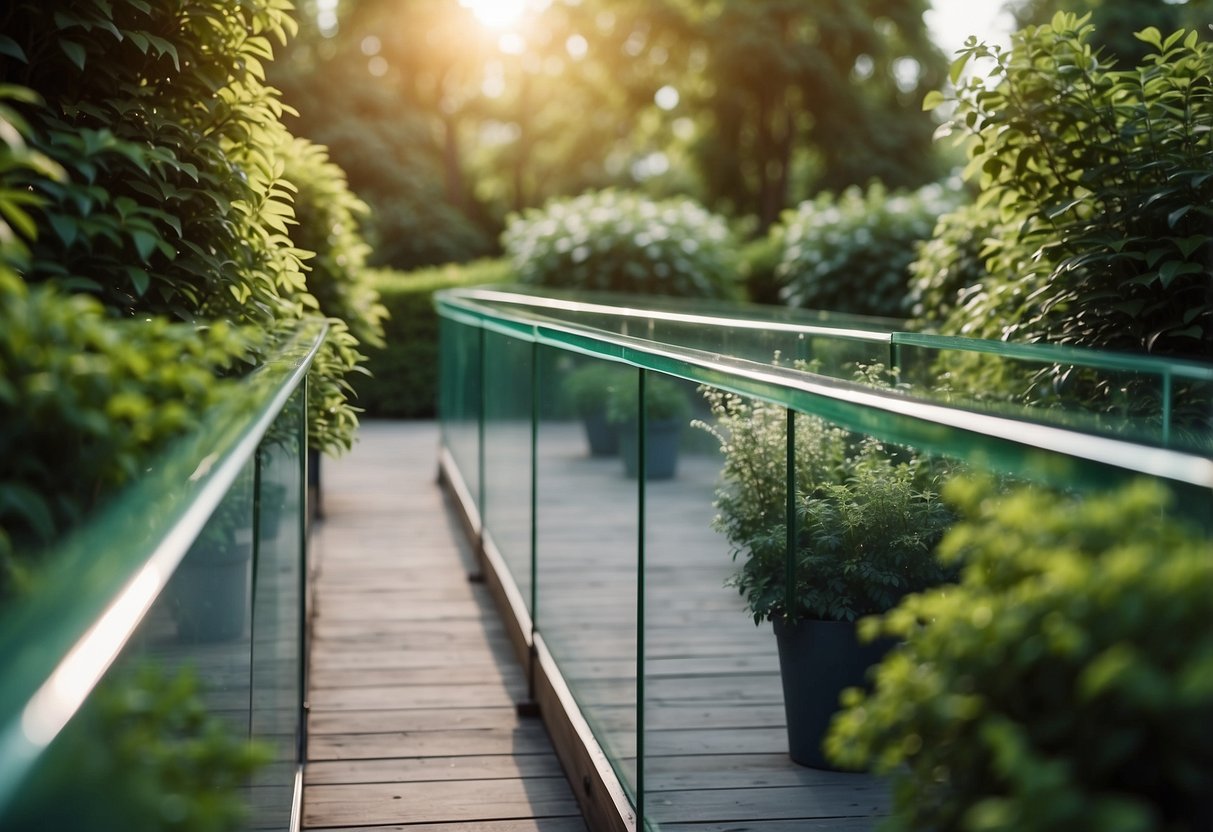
x=396 y=699
x=412 y=685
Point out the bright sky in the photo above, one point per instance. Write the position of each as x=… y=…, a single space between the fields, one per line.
x=951 y=21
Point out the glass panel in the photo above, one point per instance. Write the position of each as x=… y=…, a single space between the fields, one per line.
x=713 y=709
x=277 y=610
x=507 y=453
x=588 y=524
x=178 y=694
x=461 y=399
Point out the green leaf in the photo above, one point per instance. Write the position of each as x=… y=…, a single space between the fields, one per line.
x=67 y=228
x=139 y=279
x=1178 y=214
x=74 y=51
x=933 y=99
x=1150 y=35
x=10 y=47
x=145 y=243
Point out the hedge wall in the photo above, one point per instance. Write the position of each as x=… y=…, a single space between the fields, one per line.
x=404 y=373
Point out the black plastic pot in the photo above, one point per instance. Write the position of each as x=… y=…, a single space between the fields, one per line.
x=602 y=436
x=209 y=592
x=660 y=450
x=818 y=660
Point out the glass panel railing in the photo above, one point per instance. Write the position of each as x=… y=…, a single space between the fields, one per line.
x=586 y=547
x=837 y=518
x=507 y=453
x=278 y=600
x=713 y=711
x=460 y=399
x=167 y=633
x=1162 y=401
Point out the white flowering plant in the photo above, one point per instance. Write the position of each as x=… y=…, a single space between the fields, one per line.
x=619 y=241
x=852 y=252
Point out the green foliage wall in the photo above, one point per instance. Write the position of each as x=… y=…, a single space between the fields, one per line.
x=403 y=379
x=174 y=199
x=1102 y=182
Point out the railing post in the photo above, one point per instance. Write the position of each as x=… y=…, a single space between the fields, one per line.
x=789 y=598
x=1168 y=393
x=642 y=475
x=536 y=380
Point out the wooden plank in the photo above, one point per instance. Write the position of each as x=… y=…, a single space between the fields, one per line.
x=418 y=719
x=465 y=674
x=446 y=743
x=724 y=771
x=487 y=695
x=384 y=803
x=426 y=769
x=797 y=825
x=564 y=824
x=788 y=802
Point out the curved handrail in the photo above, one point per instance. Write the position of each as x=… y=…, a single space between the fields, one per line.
x=57 y=644
x=1019 y=443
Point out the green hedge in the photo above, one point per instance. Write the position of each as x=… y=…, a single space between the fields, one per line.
x=404 y=373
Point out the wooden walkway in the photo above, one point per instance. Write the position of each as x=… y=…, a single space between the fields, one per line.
x=413 y=682
x=413 y=685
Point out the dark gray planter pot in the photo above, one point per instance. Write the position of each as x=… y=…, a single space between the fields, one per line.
x=209 y=592
x=660 y=451
x=602 y=436
x=818 y=660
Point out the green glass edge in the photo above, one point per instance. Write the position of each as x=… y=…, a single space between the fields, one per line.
x=1012 y=445
x=153 y=522
x=1059 y=354
x=479 y=302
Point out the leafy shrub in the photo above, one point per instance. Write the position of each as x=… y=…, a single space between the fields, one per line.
x=403 y=379
x=950 y=266
x=592 y=386
x=868 y=516
x=85 y=401
x=1103 y=187
x=615 y=241
x=174 y=198
x=145 y=755
x=758 y=264
x=326 y=224
x=327 y=221
x=852 y=252
x=664 y=399
x=1065 y=684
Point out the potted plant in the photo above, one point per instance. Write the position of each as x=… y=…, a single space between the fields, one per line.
x=867 y=519
x=666 y=411
x=589 y=388
x=209 y=593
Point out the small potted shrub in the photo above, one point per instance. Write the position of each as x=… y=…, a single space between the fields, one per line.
x=1063 y=683
x=667 y=409
x=867 y=521
x=590 y=388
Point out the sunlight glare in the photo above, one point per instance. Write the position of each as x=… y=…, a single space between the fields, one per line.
x=496 y=14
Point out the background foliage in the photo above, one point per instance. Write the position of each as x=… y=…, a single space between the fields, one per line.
x=852 y=252
x=612 y=241
x=446 y=127
x=403 y=374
